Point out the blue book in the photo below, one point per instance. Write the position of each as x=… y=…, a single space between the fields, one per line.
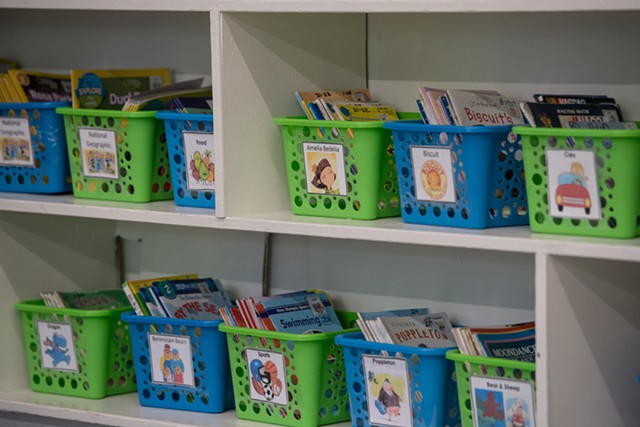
x=299 y=314
x=518 y=345
x=196 y=299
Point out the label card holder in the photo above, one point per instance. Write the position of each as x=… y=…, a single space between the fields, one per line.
x=15 y=142
x=99 y=153
x=199 y=160
x=57 y=349
x=171 y=360
x=325 y=168
x=387 y=390
x=494 y=400
x=267 y=376
x=433 y=174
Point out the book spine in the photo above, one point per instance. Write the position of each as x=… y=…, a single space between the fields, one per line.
x=132 y=299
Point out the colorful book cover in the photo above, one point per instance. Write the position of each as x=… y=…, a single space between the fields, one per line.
x=152 y=302
x=516 y=342
x=313 y=111
x=573 y=99
x=429 y=331
x=36 y=86
x=560 y=115
x=133 y=288
x=363 y=112
x=111 y=89
x=196 y=299
x=302 y=314
x=477 y=108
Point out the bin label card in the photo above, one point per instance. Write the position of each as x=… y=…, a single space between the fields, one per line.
x=171 y=361
x=99 y=153
x=267 y=376
x=325 y=168
x=502 y=403
x=387 y=388
x=199 y=161
x=433 y=174
x=57 y=346
x=15 y=142
x=572 y=184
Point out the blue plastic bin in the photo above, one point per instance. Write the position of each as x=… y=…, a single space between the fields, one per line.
x=175 y=125
x=432 y=387
x=469 y=177
x=212 y=390
x=48 y=171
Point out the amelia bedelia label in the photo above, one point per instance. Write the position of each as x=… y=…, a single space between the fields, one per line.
x=433 y=174
x=500 y=402
x=324 y=166
x=99 y=153
x=56 y=346
x=387 y=388
x=198 y=155
x=267 y=377
x=170 y=359
x=15 y=142
x=572 y=184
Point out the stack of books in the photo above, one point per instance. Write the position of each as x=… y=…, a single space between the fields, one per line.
x=413 y=327
x=86 y=300
x=514 y=342
x=354 y=105
x=300 y=312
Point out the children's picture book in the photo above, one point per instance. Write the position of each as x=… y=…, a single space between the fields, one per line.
x=307 y=98
x=366 y=319
x=87 y=300
x=111 y=89
x=299 y=314
x=428 y=331
x=196 y=299
x=560 y=115
x=37 y=86
x=476 y=108
x=573 y=99
x=363 y=112
x=512 y=341
x=133 y=288
x=161 y=98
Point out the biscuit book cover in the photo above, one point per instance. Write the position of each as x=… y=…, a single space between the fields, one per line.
x=111 y=89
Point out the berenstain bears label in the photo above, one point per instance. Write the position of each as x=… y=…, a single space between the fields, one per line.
x=170 y=359
x=433 y=174
x=267 y=377
x=387 y=387
x=500 y=402
x=198 y=157
x=572 y=184
x=324 y=166
x=57 y=347
x=15 y=142
x=99 y=153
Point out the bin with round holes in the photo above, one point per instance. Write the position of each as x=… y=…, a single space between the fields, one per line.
x=422 y=379
x=191 y=156
x=306 y=384
x=181 y=363
x=459 y=176
x=72 y=352
x=492 y=390
x=117 y=155
x=582 y=181
x=340 y=169
x=33 y=148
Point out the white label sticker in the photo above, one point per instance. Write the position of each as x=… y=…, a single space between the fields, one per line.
x=433 y=174
x=267 y=377
x=324 y=166
x=198 y=155
x=99 y=153
x=498 y=402
x=387 y=387
x=170 y=358
x=15 y=142
x=57 y=347
x=572 y=184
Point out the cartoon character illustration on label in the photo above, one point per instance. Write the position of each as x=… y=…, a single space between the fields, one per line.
x=58 y=351
x=324 y=177
x=572 y=189
x=201 y=166
x=389 y=400
x=517 y=414
x=264 y=378
x=177 y=367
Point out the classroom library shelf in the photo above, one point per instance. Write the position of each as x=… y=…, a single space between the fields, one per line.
x=256 y=53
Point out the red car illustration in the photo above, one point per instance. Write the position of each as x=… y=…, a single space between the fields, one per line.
x=571 y=194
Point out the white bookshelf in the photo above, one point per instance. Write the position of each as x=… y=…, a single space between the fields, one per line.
x=582 y=291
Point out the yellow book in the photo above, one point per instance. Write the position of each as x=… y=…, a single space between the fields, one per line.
x=111 y=89
x=4 y=92
x=38 y=86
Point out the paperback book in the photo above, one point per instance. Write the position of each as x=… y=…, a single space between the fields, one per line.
x=86 y=300
x=196 y=299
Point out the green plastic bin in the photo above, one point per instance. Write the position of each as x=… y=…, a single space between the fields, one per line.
x=135 y=170
x=503 y=370
x=362 y=158
x=81 y=353
x=616 y=154
x=314 y=377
